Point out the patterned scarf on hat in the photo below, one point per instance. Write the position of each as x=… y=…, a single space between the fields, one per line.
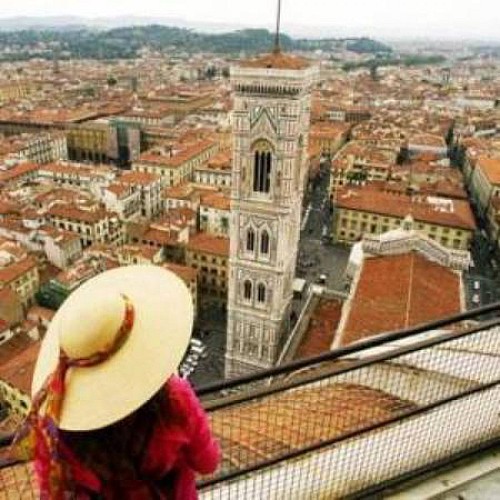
x=38 y=438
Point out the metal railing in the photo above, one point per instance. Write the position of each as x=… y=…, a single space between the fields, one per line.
x=357 y=418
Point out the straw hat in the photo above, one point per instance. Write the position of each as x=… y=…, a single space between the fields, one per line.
x=88 y=321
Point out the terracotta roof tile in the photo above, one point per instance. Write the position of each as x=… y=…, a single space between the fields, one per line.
x=397 y=292
x=17 y=269
x=17 y=371
x=322 y=326
x=277 y=60
x=186 y=273
x=203 y=242
x=270 y=427
x=491 y=168
x=399 y=205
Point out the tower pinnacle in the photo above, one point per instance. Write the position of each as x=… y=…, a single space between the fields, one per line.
x=277 y=48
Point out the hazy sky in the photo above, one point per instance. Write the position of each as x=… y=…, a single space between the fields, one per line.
x=480 y=18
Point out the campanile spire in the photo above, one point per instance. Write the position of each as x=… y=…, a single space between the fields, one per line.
x=277 y=47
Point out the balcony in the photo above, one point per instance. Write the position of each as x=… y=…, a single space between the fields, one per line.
x=353 y=422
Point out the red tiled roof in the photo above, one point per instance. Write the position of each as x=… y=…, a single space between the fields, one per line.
x=322 y=326
x=185 y=153
x=400 y=205
x=329 y=130
x=160 y=237
x=206 y=243
x=77 y=214
x=186 y=273
x=17 y=371
x=399 y=291
x=277 y=60
x=18 y=171
x=491 y=168
x=265 y=428
x=143 y=178
x=14 y=271
x=217 y=200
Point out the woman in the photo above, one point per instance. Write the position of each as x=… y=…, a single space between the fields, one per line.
x=110 y=419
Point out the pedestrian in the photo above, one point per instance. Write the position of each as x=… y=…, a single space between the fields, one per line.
x=110 y=418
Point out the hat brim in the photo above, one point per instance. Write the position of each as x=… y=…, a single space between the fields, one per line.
x=100 y=395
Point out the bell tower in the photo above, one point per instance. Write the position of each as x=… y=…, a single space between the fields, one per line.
x=270 y=134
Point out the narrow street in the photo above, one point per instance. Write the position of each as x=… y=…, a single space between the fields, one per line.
x=317 y=256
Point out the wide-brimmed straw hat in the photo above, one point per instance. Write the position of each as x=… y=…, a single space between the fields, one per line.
x=88 y=323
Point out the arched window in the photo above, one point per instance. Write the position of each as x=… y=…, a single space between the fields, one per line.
x=250 y=240
x=247 y=290
x=261 y=293
x=262 y=168
x=264 y=243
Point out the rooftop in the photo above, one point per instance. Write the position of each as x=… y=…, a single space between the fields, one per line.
x=277 y=60
x=491 y=168
x=399 y=291
x=452 y=213
x=206 y=243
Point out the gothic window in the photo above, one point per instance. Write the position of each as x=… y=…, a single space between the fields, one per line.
x=250 y=240
x=264 y=243
x=247 y=290
x=262 y=168
x=261 y=293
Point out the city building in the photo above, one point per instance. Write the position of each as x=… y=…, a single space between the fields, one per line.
x=328 y=137
x=17 y=363
x=149 y=187
x=216 y=172
x=190 y=277
x=62 y=248
x=21 y=276
x=270 y=142
x=215 y=213
x=174 y=164
x=91 y=225
x=124 y=199
x=362 y=210
x=209 y=255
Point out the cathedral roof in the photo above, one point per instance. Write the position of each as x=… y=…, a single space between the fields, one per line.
x=277 y=60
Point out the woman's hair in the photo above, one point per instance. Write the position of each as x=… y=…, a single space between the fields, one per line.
x=117 y=451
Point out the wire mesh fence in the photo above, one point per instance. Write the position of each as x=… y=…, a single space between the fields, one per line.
x=338 y=425
x=360 y=420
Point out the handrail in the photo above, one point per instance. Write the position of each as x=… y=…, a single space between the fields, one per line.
x=343 y=351
x=355 y=365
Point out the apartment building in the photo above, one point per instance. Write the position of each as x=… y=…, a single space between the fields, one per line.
x=215 y=211
x=362 y=211
x=216 y=172
x=21 y=276
x=149 y=187
x=175 y=164
x=210 y=256
x=92 y=225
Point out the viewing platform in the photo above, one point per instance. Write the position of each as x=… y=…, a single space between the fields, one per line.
x=364 y=420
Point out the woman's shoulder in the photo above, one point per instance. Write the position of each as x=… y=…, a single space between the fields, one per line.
x=181 y=397
x=179 y=387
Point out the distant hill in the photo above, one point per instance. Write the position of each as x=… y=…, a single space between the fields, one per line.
x=71 y=40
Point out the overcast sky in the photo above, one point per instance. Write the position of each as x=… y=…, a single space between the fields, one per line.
x=436 y=18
